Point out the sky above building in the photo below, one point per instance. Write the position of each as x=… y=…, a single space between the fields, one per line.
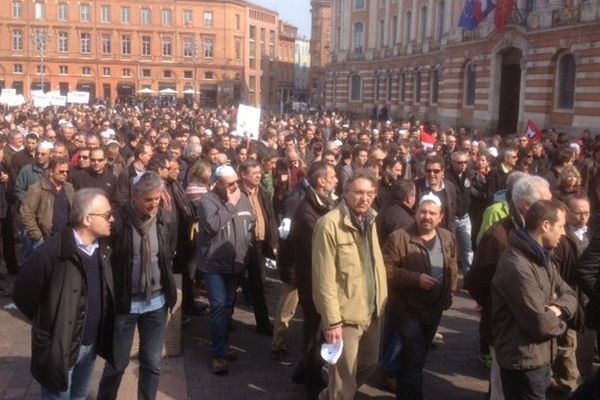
x=296 y=12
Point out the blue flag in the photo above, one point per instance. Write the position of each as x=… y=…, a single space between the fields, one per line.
x=474 y=12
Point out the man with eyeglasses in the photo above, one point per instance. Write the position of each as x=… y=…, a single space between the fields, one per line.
x=47 y=204
x=349 y=285
x=97 y=175
x=66 y=291
x=434 y=182
x=227 y=235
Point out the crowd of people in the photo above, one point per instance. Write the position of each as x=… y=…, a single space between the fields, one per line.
x=372 y=231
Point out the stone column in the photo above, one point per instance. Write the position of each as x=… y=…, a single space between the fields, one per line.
x=371 y=33
x=430 y=14
x=413 y=21
x=400 y=28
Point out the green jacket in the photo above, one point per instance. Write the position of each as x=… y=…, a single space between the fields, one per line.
x=494 y=213
x=339 y=287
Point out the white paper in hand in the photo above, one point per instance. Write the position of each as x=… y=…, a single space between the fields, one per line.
x=332 y=352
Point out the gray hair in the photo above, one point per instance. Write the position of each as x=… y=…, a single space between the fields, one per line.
x=361 y=173
x=148 y=182
x=83 y=204
x=192 y=151
x=460 y=153
x=528 y=190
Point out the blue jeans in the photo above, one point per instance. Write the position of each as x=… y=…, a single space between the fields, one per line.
x=151 y=327
x=391 y=346
x=415 y=340
x=525 y=385
x=221 y=294
x=80 y=377
x=462 y=229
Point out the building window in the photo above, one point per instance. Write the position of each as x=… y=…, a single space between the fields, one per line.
x=359 y=4
x=252 y=89
x=105 y=16
x=17 y=40
x=423 y=23
x=18 y=68
x=125 y=15
x=63 y=69
x=146 y=73
x=440 y=20
x=355 y=87
x=167 y=73
x=208 y=48
x=187 y=74
x=272 y=44
x=17 y=9
x=126 y=73
x=167 y=17
x=84 y=12
x=41 y=70
x=435 y=86
x=566 y=81
x=106 y=71
x=394 y=38
x=402 y=88
x=167 y=47
x=126 y=45
x=359 y=37
x=382 y=33
x=106 y=45
x=238 y=49
x=470 y=81
x=529 y=6
x=377 y=91
x=63 y=42
x=188 y=17
x=188 y=47
x=389 y=87
x=86 y=45
x=209 y=76
x=86 y=71
x=252 y=51
x=238 y=22
x=418 y=87
x=208 y=19
x=407 y=26
x=263 y=38
x=146 y=16
x=146 y=46
x=63 y=12
x=40 y=11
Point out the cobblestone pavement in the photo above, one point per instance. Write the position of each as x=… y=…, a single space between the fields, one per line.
x=452 y=372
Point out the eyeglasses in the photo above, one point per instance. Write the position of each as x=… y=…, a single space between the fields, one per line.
x=460 y=162
x=106 y=216
x=230 y=184
x=433 y=171
x=98 y=160
x=63 y=172
x=84 y=157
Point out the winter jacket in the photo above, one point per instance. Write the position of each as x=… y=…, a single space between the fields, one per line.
x=226 y=234
x=51 y=292
x=29 y=174
x=37 y=209
x=394 y=216
x=524 y=329
x=122 y=257
x=406 y=258
x=587 y=276
x=340 y=289
x=86 y=178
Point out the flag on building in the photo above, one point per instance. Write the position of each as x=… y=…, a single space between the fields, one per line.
x=533 y=132
x=427 y=140
x=474 y=12
x=504 y=11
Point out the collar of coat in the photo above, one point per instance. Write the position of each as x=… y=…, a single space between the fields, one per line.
x=347 y=216
x=68 y=246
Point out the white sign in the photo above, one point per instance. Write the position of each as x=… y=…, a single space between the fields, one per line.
x=78 y=97
x=12 y=100
x=40 y=99
x=9 y=92
x=56 y=99
x=248 y=121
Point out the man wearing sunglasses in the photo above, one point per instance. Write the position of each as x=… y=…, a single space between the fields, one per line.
x=65 y=290
x=97 y=175
x=435 y=183
x=47 y=204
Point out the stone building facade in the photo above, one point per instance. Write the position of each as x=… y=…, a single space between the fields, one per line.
x=411 y=56
x=114 y=48
x=320 y=46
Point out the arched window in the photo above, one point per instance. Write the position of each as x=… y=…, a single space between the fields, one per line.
x=470 y=81
x=355 y=87
x=566 y=81
x=407 y=26
x=418 y=87
x=435 y=86
x=359 y=37
x=394 y=38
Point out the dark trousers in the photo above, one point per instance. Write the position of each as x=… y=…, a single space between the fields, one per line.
x=310 y=364
x=414 y=338
x=151 y=327
x=590 y=389
x=255 y=286
x=221 y=293
x=525 y=385
x=8 y=241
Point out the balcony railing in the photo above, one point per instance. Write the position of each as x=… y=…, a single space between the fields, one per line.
x=566 y=16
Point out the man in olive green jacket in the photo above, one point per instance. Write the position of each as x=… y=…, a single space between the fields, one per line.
x=349 y=285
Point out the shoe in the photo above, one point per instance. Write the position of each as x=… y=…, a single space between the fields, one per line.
x=385 y=381
x=219 y=366
x=438 y=336
x=486 y=359
x=266 y=330
x=282 y=357
x=231 y=356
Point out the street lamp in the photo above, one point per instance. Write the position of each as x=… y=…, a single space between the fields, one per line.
x=40 y=38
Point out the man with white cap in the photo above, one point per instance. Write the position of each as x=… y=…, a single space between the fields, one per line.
x=227 y=234
x=421 y=264
x=34 y=172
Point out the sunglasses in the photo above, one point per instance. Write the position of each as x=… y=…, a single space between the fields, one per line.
x=98 y=160
x=84 y=157
x=433 y=171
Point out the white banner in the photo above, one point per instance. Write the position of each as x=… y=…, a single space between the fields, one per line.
x=248 y=121
x=78 y=97
x=56 y=99
x=12 y=100
x=40 y=99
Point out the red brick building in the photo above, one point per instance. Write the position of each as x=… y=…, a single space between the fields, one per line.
x=411 y=56
x=319 y=49
x=113 y=49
